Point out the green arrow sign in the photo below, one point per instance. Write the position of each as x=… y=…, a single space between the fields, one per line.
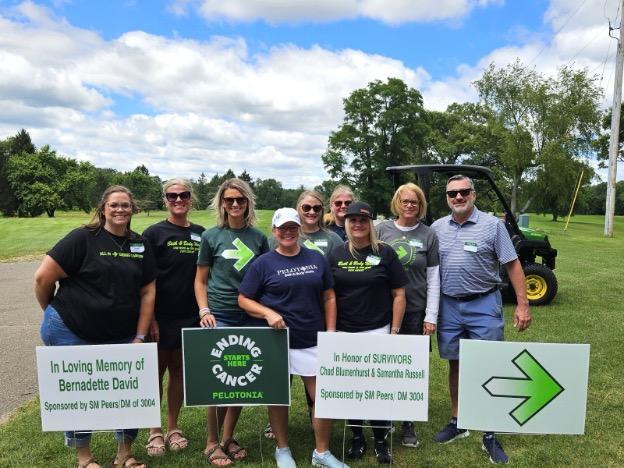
x=243 y=254
x=537 y=389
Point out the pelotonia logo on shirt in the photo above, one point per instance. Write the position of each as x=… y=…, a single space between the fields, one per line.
x=237 y=362
x=406 y=249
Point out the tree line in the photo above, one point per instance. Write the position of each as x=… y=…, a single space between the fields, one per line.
x=536 y=133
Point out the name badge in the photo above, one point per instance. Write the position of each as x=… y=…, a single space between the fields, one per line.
x=137 y=248
x=195 y=237
x=373 y=260
x=320 y=243
x=416 y=243
x=470 y=246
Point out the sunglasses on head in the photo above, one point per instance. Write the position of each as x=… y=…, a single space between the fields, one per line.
x=239 y=200
x=173 y=196
x=463 y=192
x=339 y=203
x=315 y=208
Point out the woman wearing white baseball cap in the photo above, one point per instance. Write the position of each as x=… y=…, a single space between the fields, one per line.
x=292 y=287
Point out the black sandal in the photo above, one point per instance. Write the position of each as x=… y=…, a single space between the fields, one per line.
x=357 y=449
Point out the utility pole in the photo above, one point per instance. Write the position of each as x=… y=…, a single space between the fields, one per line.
x=615 y=130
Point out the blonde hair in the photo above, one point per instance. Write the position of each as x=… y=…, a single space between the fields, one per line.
x=395 y=204
x=372 y=237
x=98 y=220
x=319 y=197
x=338 y=190
x=245 y=190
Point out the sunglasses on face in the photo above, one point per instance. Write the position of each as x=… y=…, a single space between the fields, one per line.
x=463 y=192
x=230 y=200
x=339 y=203
x=173 y=196
x=315 y=208
x=119 y=206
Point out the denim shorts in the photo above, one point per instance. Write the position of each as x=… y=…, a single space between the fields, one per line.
x=233 y=318
x=479 y=319
x=54 y=332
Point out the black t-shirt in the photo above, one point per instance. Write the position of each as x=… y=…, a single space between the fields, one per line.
x=175 y=248
x=100 y=299
x=364 y=285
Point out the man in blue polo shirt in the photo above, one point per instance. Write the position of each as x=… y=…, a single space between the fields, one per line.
x=472 y=246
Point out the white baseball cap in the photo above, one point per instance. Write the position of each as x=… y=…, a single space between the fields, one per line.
x=285 y=215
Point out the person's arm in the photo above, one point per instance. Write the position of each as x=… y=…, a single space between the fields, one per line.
x=398 y=309
x=433 y=300
x=146 y=309
x=46 y=276
x=522 y=315
x=257 y=310
x=206 y=320
x=329 y=303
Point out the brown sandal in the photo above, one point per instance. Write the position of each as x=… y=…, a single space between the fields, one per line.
x=176 y=445
x=157 y=450
x=232 y=453
x=87 y=463
x=212 y=457
x=126 y=463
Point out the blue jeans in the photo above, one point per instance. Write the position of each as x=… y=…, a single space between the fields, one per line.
x=237 y=319
x=54 y=332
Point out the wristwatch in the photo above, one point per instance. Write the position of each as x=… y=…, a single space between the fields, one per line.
x=395 y=330
x=140 y=337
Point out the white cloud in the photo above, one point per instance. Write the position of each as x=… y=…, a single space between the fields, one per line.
x=286 y=11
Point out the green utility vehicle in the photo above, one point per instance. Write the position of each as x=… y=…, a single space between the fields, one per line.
x=533 y=247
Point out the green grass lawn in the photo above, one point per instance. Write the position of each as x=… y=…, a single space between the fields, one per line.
x=587 y=309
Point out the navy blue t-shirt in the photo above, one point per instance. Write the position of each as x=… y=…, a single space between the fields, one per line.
x=293 y=287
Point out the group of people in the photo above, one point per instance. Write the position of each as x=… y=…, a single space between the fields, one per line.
x=397 y=277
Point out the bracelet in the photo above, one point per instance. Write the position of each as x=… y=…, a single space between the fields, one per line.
x=140 y=337
x=395 y=330
x=203 y=312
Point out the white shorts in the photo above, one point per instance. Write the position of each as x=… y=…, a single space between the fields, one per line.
x=303 y=361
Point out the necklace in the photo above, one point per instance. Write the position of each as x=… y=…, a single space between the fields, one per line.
x=120 y=246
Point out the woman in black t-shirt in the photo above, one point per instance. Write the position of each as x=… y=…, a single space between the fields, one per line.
x=106 y=295
x=175 y=243
x=369 y=283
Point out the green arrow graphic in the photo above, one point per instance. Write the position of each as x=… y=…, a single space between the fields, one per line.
x=312 y=246
x=243 y=254
x=537 y=388
x=401 y=252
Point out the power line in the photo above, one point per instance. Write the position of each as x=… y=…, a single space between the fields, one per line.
x=558 y=31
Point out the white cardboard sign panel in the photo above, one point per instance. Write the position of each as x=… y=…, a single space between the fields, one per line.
x=372 y=376
x=98 y=387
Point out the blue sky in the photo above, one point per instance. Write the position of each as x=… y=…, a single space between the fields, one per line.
x=186 y=86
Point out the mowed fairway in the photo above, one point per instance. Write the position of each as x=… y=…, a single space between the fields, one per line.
x=588 y=309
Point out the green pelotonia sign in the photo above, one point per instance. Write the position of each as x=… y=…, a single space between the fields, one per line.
x=235 y=366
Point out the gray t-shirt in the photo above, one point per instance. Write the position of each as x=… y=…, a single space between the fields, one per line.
x=417 y=249
x=323 y=241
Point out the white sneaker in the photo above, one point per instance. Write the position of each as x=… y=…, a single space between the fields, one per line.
x=284 y=459
x=327 y=460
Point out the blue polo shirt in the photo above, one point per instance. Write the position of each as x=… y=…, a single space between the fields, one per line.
x=471 y=253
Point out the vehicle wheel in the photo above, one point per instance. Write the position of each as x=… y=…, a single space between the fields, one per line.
x=541 y=284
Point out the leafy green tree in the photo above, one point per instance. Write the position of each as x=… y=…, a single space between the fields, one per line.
x=269 y=193
x=17 y=144
x=147 y=189
x=538 y=117
x=79 y=185
x=37 y=181
x=202 y=191
x=384 y=125
x=602 y=142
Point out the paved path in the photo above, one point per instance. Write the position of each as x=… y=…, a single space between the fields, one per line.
x=20 y=316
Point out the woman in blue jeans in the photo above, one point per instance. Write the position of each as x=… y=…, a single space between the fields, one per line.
x=101 y=299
